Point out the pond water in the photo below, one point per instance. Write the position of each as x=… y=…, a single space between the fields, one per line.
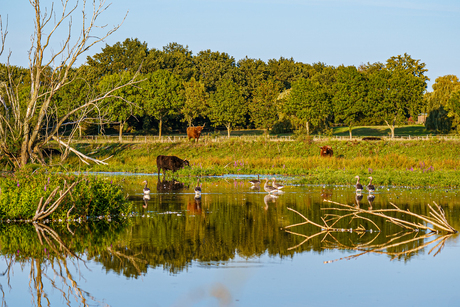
x=233 y=247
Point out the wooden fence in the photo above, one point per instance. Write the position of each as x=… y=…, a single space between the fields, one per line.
x=218 y=139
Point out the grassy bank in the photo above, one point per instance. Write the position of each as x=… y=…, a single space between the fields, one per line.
x=401 y=163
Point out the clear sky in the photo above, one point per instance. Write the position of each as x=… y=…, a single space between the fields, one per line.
x=335 y=32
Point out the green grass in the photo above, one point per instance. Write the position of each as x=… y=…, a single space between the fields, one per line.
x=411 y=162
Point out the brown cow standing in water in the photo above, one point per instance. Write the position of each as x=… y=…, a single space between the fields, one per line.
x=326 y=151
x=169 y=163
x=194 y=132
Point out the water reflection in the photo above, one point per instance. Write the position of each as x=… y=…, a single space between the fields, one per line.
x=370 y=200
x=145 y=198
x=52 y=255
x=169 y=186
x=269 y=198
x=358 y=198
x=194 y=206
x=173 y=231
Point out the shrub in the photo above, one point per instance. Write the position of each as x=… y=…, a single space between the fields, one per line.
x=92 y=196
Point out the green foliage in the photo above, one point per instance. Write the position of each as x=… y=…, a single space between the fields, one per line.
x=350 y=96
x=121 y=57
x=264 y=107
x=195 y=101
x=163 y=95
x=123 y=102
x=212 y=67
x=394 y=96
x=22 y=241
x=310 y=102
x=438 y=120
x=406 y=63
x=227 y=106
x=92 y=196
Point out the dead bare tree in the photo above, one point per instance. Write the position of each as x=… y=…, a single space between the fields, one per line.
x=25 y=122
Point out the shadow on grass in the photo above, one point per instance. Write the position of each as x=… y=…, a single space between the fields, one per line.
x=413 y=130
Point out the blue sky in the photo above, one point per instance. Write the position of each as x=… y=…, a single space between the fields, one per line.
x=335 y=32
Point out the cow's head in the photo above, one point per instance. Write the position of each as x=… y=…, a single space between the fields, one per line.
x=198 y=129
x=186 y=163
x=325 y=150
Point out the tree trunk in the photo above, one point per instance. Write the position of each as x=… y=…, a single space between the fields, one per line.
x=307 y=125
x=349 y=130
x=120 y=134
x=79 y=130
x=159 y=127
x=392 y=128
x=229 y=128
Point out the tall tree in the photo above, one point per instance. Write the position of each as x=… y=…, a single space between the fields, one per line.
x=350 y=94
x=310 y=102
x=31 y=121
x=409 y=65
x=285 y=71
x=264 y=107
x=163 y=96
x=253 y=73
x=121 y=56
x=227 y=106
x=123 y=101
x=394 y=96
x=213 y=66
x=195 y=100
x=442 y=90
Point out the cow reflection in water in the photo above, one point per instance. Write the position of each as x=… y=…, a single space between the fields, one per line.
x=194 y=206
x=168 y=186
x=326 y=193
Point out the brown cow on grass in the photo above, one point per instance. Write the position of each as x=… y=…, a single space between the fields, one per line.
x=326 y=151
x=194 y=132
x=169 y=163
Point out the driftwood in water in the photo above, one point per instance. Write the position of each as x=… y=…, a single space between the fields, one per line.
x=434 y=223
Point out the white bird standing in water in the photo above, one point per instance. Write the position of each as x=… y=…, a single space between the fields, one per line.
x=255 y=182
x=370 y=186
x=198 y=189
x=269 y=188
x=146 y=189
x=277 y=185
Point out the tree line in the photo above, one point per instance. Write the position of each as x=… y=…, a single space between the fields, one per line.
x=175 y=87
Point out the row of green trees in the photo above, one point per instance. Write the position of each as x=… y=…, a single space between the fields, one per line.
x=173 y=85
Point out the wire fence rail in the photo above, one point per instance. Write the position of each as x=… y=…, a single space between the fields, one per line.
x=218 y=139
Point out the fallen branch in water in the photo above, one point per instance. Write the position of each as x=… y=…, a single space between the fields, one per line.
x=436 y=222
x=437 y=217
x=41 y=213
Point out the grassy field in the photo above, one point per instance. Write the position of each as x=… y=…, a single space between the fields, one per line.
x=422 y=163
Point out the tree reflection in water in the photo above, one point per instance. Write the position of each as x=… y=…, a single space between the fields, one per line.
x=53 y=254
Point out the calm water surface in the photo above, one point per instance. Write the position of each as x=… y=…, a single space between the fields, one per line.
x=231 y=248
